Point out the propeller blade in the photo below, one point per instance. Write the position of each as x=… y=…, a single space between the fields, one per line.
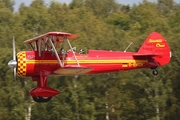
x=14 y=57
x=15 y=74
x=14 y=49
x=13 y=63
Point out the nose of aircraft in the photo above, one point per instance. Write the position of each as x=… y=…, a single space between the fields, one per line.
x=12 y=64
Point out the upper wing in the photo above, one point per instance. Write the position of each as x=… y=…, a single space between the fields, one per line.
x=50 y=42
x=50 y=34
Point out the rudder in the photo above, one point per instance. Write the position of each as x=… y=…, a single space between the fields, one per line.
x=155 y=44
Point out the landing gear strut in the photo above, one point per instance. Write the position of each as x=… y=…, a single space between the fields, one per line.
x=42 y=93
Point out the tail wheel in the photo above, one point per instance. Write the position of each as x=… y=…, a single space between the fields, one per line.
x=42 y=99
x=155 y=72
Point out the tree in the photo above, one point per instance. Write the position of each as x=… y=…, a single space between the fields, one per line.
x=100 y=25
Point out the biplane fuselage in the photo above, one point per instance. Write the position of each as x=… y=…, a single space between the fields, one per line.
x=50 y=56
x=98 y=61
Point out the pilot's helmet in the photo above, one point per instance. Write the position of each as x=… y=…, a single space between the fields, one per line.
x=81 y=50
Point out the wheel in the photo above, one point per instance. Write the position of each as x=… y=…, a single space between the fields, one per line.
x=42 y=99
x=155 y=72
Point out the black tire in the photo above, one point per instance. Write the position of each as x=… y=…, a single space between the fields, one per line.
x=42 y=99
x=155 y=72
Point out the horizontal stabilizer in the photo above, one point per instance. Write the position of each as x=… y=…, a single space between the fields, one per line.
x=72 y=70
x=152 y=64
x=148 y=54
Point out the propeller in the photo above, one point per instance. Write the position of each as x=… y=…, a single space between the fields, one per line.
x=13 y=63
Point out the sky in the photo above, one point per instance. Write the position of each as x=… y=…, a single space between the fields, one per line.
x=125 y=2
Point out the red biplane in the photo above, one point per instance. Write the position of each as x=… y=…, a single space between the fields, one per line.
x=49 y=55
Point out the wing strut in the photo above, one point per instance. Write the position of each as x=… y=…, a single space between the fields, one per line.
x=73 y=52
x=64 y=52
x=54 y=49
x=40 y=47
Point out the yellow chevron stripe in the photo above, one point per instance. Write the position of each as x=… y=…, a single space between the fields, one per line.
x=83 y=61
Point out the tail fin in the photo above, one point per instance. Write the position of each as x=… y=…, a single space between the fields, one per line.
x=156 y=46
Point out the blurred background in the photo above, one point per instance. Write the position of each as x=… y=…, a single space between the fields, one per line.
x=101 y=24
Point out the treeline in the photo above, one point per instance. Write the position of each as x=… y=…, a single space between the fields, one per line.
x=101 y=24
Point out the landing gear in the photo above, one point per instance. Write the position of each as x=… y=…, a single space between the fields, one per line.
x=42 y=93
x=155 y=72
x=42 y=99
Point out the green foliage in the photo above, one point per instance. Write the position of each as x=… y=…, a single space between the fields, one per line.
x=100 y=24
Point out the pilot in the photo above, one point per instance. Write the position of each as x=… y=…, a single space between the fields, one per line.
x=63 y=51
x=81 y=51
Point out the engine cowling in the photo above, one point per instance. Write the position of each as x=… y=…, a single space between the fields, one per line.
x=26 y=64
